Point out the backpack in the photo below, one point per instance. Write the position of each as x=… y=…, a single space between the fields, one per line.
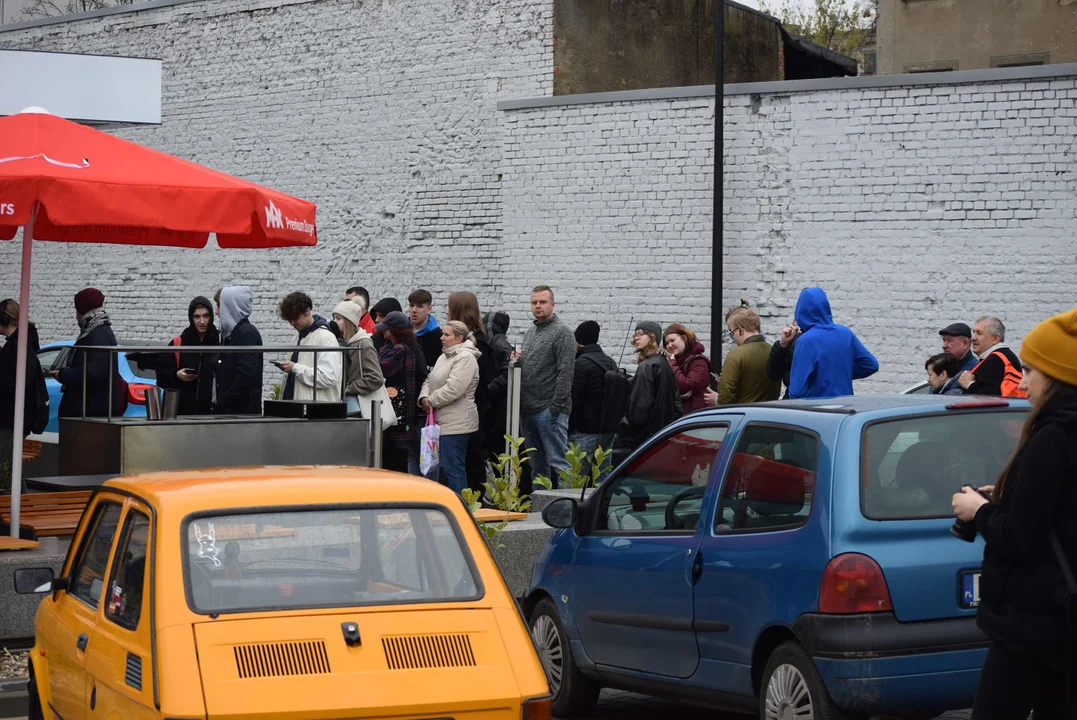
x=1011 y=376
x=616 y=390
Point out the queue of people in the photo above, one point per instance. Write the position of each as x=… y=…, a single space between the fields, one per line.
x=571 y=389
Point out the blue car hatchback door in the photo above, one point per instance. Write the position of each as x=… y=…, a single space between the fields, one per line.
x=793 y=559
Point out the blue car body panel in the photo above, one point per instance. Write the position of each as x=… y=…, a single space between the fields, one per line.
x=55 y=389
x=753 y=586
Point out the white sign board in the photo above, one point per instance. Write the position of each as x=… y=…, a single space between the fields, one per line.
x=90 y=88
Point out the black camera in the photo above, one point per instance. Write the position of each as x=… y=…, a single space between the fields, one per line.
x=967 y=530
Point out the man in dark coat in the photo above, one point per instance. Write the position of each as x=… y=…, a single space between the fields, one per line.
x=96 y=331
x=587 y=424
x=999 y=371
x=239 y=375
x=780 y=361
x=174 y=369
x=35 y=379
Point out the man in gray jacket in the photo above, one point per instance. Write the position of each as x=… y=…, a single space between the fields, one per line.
x=547 y=364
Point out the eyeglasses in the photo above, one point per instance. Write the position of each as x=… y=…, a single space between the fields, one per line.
x=733 y=334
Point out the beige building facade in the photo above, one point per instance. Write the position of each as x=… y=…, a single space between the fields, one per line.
x=940 y=35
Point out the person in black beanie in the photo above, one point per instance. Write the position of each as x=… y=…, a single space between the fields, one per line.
x=193 y=374
x=587 y=425
x=377 y=313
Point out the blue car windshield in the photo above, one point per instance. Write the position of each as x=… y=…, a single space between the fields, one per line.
x=911 y=467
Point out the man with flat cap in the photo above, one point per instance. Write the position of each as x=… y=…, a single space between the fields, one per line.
x=957 y=340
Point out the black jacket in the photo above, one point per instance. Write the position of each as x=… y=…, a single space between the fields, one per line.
x=588 y=382
x=35 y=380
x=495 y=426
x=654 y=402
x=239 y=375
x=780 y=363
x=196 y=398
x=430 y=344
x=1022 y=590
x=990 y=371
x=98 y=365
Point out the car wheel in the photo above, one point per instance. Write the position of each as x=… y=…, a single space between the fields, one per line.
x=573 y=693
x=792 y=688
x=33 y=700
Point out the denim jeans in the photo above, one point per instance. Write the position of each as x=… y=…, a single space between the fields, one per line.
x=548 y=435
x=589 y=442
x=454 y=460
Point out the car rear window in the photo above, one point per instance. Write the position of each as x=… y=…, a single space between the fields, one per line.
x=911 y=467
x=326 y=558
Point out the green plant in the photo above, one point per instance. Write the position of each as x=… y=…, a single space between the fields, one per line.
x=275 y=391
x=583 y=471
x=503 y=488
x=473 y=500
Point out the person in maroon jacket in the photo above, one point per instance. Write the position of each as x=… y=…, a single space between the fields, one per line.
x=690 y=366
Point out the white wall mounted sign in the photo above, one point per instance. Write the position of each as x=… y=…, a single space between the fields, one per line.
x=88 y=88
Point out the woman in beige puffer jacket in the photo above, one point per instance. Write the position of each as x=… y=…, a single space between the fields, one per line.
x=450 y=390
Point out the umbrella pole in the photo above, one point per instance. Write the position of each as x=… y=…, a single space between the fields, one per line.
x=20 y=375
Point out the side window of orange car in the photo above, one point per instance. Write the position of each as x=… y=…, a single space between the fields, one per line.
x=770 y=481
x=128 y=577
x=88 y=573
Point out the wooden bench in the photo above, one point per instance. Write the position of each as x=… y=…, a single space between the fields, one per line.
x=48 y=513
x=31 y=450
x=10 y=543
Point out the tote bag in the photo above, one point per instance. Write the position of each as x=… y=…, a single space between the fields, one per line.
x=361 y=404
x=430 y=447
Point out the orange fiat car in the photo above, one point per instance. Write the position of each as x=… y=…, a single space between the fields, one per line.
x=280 y=593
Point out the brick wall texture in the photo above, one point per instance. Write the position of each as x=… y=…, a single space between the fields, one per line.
x=912 y=206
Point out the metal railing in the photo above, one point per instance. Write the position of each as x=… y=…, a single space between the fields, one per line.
x=375 y=430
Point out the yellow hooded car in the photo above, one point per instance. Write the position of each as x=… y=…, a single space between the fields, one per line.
x=280 y=593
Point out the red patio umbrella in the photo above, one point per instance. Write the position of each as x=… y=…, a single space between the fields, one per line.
x=61 y=181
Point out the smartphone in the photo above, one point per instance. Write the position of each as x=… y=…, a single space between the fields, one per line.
x=190 y=371
x=279 y=365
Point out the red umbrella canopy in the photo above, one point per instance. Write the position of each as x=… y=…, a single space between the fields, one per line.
x=93 y=187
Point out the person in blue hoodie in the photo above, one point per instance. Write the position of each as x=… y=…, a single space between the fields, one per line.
x=828 y=356
x=425 y=325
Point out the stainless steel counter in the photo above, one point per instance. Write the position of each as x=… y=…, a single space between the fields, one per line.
x=94 y=446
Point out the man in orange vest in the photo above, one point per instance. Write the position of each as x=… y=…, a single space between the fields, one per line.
x=999 y=372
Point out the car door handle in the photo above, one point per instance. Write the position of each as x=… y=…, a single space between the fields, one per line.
x=83 y=640
x=697 y=567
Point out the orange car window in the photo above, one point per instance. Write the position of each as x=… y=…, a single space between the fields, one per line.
x=124 y=603
x=88 y=574
x=326 y=558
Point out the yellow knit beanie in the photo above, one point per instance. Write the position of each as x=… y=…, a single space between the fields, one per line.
x=1051 y=347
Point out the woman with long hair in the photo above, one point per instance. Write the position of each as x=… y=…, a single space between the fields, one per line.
x=655 y=400
x=35 y=378
x=450 y=392
x=464 y=307
x=690 y=366
x=1026 y=606
x=404 y=368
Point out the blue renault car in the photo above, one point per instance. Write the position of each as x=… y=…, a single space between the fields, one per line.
x=792 y=559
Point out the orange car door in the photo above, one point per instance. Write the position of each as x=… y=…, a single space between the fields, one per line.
x=119 y=666
x=75 y=611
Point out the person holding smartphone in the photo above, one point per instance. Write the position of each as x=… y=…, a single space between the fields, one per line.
x=190 y=373
x=1028 y=597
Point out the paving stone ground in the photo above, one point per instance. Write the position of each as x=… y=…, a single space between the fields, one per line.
x=630 y=706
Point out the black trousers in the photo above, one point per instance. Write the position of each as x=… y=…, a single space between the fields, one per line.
x=1014 y=684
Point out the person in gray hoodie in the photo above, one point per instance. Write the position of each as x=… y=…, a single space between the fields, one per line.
x=548 y=362
x=239 y=375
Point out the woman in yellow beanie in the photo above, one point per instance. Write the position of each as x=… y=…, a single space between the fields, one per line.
x=1027 y=607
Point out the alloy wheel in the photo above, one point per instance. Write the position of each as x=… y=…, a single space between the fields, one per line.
x=787 y=695
x=548 y=644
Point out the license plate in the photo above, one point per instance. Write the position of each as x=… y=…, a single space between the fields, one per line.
x=970 y=589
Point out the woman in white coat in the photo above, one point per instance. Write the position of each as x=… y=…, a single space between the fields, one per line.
x=450 y=390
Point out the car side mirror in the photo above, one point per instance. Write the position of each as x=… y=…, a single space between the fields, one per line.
x=32 y=581
x=561 y=513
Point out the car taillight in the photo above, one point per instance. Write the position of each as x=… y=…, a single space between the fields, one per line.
x=136 y=393
x=853 y=583
x=540 y=708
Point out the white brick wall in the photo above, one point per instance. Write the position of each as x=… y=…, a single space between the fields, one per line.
x=913 y=206
x=383 y=113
